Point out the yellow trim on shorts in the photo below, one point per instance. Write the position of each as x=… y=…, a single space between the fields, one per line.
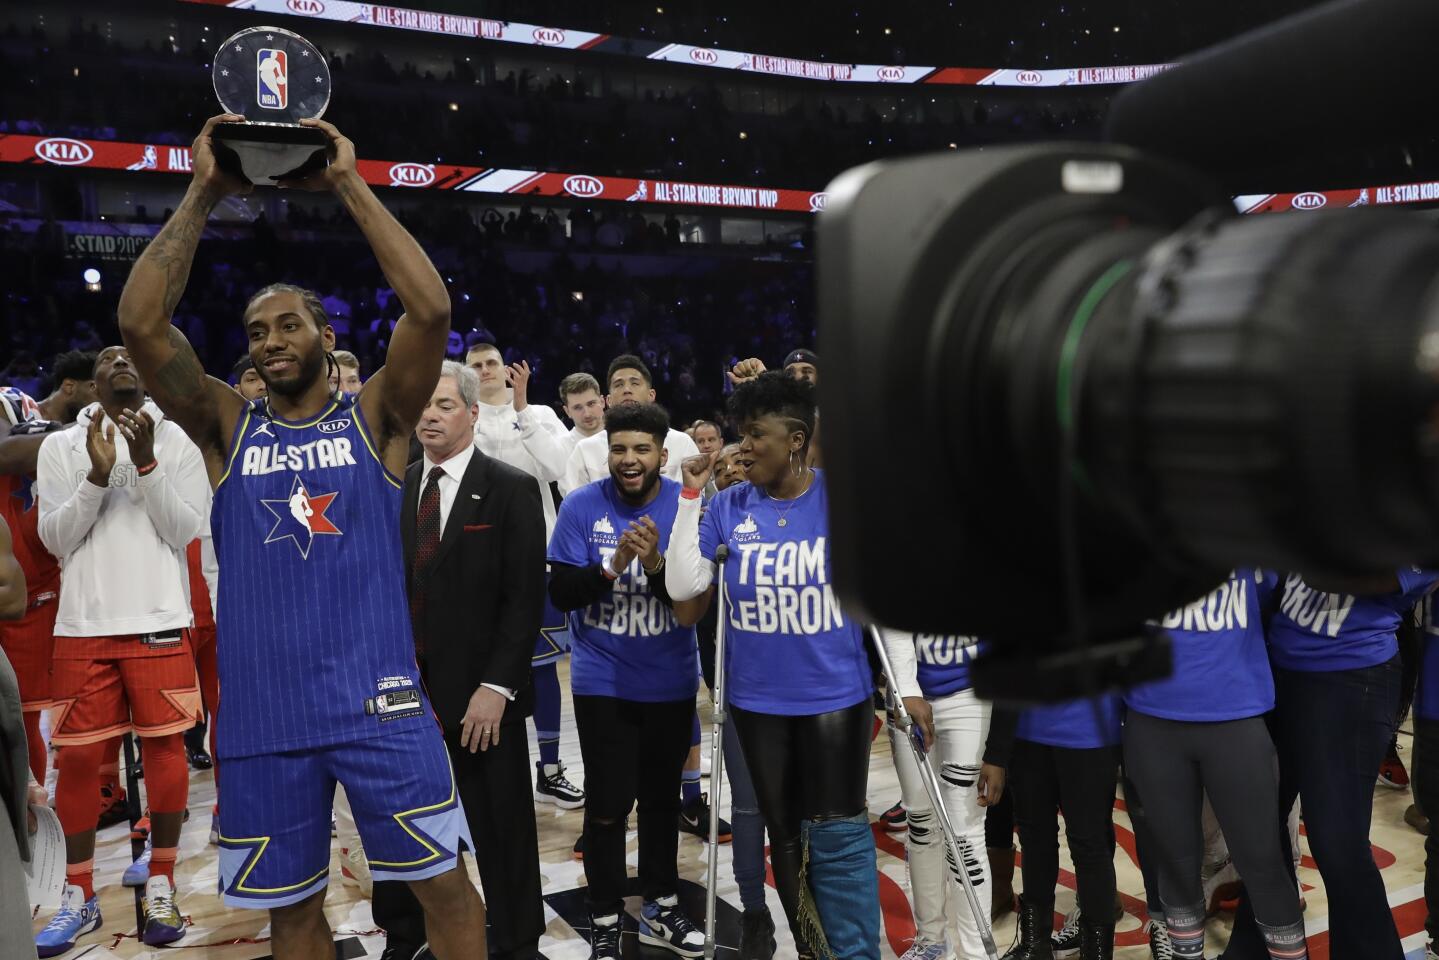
x=400 y=818
x=264 y=843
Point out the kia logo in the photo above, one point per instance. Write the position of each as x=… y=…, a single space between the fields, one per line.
x=890 y=74
x=411 y=175
x=313 y=8
x=702 y=55
x=1308 y=201
x=583 y=186
x=816 y=202
x=1029 y=77
x=333 y=426
x=64 y=151
x=549 y=36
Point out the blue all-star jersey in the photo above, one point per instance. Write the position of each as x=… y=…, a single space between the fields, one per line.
x=314 y=638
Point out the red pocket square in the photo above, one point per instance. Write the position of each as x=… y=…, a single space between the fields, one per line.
x=477 y=527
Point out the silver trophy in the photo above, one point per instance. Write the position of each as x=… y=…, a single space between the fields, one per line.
x=273 y=78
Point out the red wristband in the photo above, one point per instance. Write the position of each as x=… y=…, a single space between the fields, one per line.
x=147 y=468
x=689 y=494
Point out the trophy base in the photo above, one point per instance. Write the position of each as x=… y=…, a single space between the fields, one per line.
x=267 y=152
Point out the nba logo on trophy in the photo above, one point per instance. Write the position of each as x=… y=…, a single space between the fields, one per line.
x=271 y=88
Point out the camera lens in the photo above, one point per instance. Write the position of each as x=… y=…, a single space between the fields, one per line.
x=1263 y=391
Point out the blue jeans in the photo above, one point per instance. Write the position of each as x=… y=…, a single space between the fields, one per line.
x=1332 y=729
x=844 y=880
x=747 y=824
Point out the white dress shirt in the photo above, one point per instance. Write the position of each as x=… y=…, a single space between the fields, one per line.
x=452 y=471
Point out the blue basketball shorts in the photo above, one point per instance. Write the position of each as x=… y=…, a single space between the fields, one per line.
x=275 y=814
x=554 y=639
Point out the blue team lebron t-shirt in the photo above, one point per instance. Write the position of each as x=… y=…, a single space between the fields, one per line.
x=629 y=644
x=792 y=650
x=1082 y=724
x=1221 y=665
x=1315 y=631
x=942 y=662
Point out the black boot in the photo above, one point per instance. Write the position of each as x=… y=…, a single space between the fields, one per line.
x=756 y=941
x=1096 y=940
x=1034 y=933
x=1001 y=872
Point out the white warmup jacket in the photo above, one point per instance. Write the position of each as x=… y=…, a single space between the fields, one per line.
x=122 y=547
x=532 y=440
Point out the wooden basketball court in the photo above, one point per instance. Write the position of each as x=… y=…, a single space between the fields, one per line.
x=221 y=934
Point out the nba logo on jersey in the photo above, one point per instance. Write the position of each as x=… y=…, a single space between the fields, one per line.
x=271 y=79
x=300 y=517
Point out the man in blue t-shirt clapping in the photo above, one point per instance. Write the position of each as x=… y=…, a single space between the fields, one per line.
x=634 y=674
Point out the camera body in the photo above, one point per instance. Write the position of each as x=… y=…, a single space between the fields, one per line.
x=1097 y=389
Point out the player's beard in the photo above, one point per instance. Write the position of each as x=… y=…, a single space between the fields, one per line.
x=647 y=486
x=312 y=368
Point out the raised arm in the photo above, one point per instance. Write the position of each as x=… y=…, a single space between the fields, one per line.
x=393 y=398
x=204 y=407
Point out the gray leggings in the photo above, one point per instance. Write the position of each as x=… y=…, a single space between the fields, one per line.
x=1174 y=764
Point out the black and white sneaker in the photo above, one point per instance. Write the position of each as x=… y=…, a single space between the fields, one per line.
x=695 y=819
x=605 y=937
x=551 y=786
x=1064 y=942
x=1160 y=947
x=663 y=924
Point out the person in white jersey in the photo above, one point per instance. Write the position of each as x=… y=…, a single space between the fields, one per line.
x=584 y=404
x=629 y=382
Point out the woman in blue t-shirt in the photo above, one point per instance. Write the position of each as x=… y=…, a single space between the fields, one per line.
x=799 y=684
x=1337 y=675
x=1201 y=731
x=1426 y=760
x=1066 y=755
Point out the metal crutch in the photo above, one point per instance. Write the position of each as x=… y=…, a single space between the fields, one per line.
x=716 y=748
x=955 y=845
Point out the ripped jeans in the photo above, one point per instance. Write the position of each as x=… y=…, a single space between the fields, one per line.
x=961 y=724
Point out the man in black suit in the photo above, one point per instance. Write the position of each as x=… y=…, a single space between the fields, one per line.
x=474 y=540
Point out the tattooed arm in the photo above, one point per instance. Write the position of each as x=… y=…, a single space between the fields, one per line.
x=206 y=408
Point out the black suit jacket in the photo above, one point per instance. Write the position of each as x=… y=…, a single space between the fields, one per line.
x=484 y=601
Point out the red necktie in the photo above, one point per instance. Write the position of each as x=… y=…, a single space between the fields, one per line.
x=427 y=542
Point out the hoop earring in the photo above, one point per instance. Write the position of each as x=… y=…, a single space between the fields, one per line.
x=796 y=469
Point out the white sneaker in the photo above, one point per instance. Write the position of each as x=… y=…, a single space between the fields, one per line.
x=355 y=870
x=924 y=950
